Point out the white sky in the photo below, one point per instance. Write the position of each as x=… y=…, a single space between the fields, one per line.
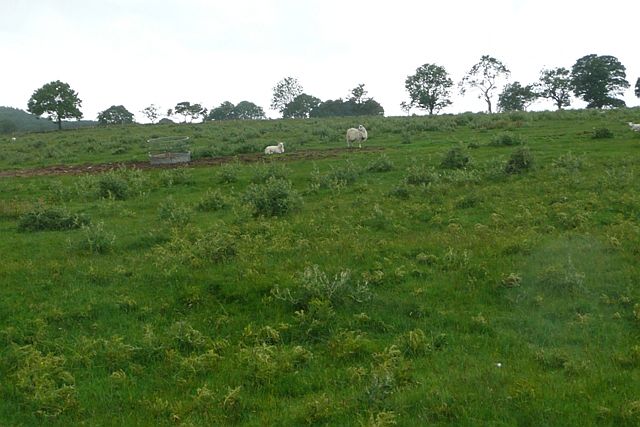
x=142 y=52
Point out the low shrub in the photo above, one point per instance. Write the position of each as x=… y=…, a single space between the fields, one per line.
x=455 y=158
x=95 y=239
x=273 y=198
x=113 y=186
x=520 y=161
x=213 y=200
x=507 y=139
x=381 y=164
x=601 y=133
x=44 y=218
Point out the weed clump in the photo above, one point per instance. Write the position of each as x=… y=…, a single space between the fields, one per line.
x=507 y=139
x=213 y=200
x=95 y=239
x=51 y=219
x=520 y=161
x=419 y=175
x=42 y=382
x=113 y=186
x=455 y=158
x=381 y=164
x=273 y=198
x=601 y=133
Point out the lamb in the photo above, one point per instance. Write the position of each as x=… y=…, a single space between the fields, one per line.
x=275 y=149
x=635 y=126
x=359 y=135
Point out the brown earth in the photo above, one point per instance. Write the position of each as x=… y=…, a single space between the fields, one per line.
x=209 y=161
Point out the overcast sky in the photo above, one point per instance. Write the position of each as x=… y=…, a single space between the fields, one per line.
x=141 y=52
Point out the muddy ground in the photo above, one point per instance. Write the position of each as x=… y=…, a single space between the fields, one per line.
x=208 y=161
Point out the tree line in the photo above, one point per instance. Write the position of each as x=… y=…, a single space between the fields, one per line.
x=598 y=80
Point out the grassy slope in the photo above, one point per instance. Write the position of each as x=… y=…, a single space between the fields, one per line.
x=535 y=271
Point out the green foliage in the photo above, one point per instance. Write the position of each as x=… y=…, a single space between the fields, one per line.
x=381 y=164
x=507 y=139
x=56 y=99
x=515 y=97
x=429 y=88
x=519 y=161
x=484 y=76
x=174 y=214
x=555 y=84
x=113 y=185
x=211 y=201
x=190 y=111
x=301 y=106
x=455 y=158
x=193 y=248
x=598 y=80
x=284 y=92
x=43 y=218
x=42 y=382
x=273 y=198
x=602 y=133
x=115 y=115
x=95 y=239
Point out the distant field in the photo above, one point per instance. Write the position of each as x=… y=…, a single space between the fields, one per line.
x=460 y=270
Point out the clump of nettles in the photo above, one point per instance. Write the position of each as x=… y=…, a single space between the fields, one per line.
x=273 y=198
x=601 y=133
x=507 y=139
x=381 y=164
x=521 y=160
x=51 y=218
x=455 y=158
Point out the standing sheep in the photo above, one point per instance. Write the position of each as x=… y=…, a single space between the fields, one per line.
x=634 y=126
x=275 y=149
x=359 y=135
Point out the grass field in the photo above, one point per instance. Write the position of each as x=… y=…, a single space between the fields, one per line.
x=462 y=270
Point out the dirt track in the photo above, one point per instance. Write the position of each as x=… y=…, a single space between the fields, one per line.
x=209 y=161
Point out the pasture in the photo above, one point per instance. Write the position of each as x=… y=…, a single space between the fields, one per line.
x=457 y=270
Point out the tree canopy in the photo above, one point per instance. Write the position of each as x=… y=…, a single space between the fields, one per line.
x=429 y=88
x=152 y=113
x=115 y=115
x=188 y=110
x=556 y=85
x=301 y=106
x=637 y=89
x=516 y=97
x=284 y=92
x=598 y=80
x=245 y=110
x=484 y=76
x=57 y=100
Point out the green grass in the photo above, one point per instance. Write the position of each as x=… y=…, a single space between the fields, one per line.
x=375 y=288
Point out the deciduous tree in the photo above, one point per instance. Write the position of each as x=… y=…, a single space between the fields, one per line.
x=56 y=99
x=284 y=92
x=115 y=115
x=485 y=76
x=516 y=97
x=556 y=85
x=152 y=113
x=429 y=88
x=598 y=80
x=301 y=106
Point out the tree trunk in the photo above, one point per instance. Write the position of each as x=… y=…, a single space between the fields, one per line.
x=59 y=123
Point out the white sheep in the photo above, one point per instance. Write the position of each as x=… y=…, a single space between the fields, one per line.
x=359 y=135
x=13 y=139
x=275 y=149
x=634 y=126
